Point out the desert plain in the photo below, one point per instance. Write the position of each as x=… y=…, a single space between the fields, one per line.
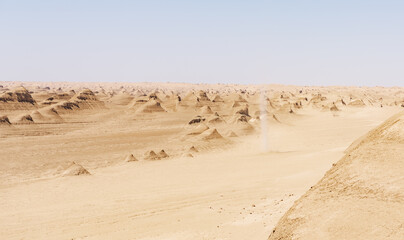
x=157 y=161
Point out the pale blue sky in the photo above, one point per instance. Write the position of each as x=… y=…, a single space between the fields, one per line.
x=323 y=42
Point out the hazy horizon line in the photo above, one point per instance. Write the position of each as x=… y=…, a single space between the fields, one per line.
x=202 y=83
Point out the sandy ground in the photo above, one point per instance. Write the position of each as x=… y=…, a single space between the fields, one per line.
x=360 y=197
x=230 y=189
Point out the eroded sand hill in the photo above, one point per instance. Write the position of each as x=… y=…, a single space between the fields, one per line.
x=361 y=197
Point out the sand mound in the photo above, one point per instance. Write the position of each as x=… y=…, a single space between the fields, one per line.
x=46 y=115
x=19 y=99
x=85 y=99
x=360 y=197
x=357 y=103
x=205 y=110
x=37 y=116
x=211 y=134
x=217 y=98
x=190 y=99
x=232 y=134
x=25 y=119
x=85 y=95
x=75 y=170
x=193 y=149
x=19 y=95
x=130 y=158
x=51 y=115
x=235 y=105
x=151 y=155
x=241 y=124
x=136 y=103
x=334 y=108
x=157 y=96
x=151 y=106
x=67 y=105
x=162 y=154
x=4 y=121
x=317 y=100
x=203 y=97
x=190 y=96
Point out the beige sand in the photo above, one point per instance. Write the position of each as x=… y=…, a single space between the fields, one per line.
x=142 y=171
x=361 y=197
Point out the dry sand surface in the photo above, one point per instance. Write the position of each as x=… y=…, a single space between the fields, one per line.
x=182 y=161
x=360 y=197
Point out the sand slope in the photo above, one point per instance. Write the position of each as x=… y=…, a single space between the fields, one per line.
x=361 y=197
x=172 y=160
